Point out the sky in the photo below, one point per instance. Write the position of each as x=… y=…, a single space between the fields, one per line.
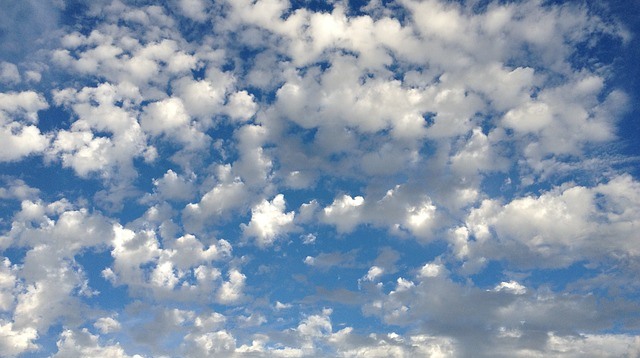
x=301 y=178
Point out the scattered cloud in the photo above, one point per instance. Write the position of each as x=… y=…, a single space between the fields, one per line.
x=358 y=179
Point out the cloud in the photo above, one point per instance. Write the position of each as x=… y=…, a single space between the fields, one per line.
x=373 y=273
x=220 y=342
x=231 y=291
x=515 y=315
x=18 y=130
x=182 y=270
x=14 y=342
x=75 y=343
x=98 y=111
x=328 y=260
x=269 y=221
x=165 y=116
x=9 y=73
x=193 y=9
x=558 y=227
x=344 y=212
x=107 y=325
x=227 y=195
x=173 y=186
x=451 y=172
x=18 y=190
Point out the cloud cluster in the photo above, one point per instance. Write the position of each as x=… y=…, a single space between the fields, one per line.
x=283 y=178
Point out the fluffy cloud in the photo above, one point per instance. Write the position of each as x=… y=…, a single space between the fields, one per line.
x=83 y=343
x=453 y=180
x=183 y=270
x=165 y=116
x=227 y=195
x=9 y=73
x=344 y=212
x=18 y=130
x=99 y=110
x=107 y=325
x=14 y=342
x=508 y=318
x=558 y=227
x=269 y=221
x=193 y=9
x=174 y=186
x=18 y=190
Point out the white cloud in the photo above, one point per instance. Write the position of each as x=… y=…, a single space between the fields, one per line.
x=532 y=117
x=83 y=343
x=18 y=131
x=38 y=292
x=600 y=345
x=327 y=260
x=51 y=288
x=107 y=325
x=210 y=343
x=188 y=251
x=25 y=104
x=19 y=190
x=308 y=239
x=164 y=117
x=209 y=322
x=107 y=109
x=558 y=227
x=344 y=213
x=231 y=291
x=316 y=325
x=228 y=195
x=399 y=210
x=193 y=9
x=241 y=106
x=431 y=270
x=183 y=270
x=9 y=73
x=472 y=130
x=204 y=98
x=373 y=273
x=419 y=219
x=8 y=283
x=174 y=186
x=511 y=287
x=14 y=342
x=59 y=226
x=20 y=141
x=269 y=221
x=254 y=165
x=282 y=306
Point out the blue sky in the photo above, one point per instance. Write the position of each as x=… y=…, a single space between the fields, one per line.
x=272 y=178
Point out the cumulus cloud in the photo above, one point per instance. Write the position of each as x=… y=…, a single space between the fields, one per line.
x=193 y=9
x=228 y=194
x=14 y=341
x=455 y=177
x=83 y=343
x=269 y=221
x=174 y=186
x=516 y=314
x=181 y=270
x=558 y=227
x=107 y=325
x=9 y=73
x=344 y=212
x=18 y=130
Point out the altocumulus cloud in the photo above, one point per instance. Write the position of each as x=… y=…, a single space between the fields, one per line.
x=274 y=178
